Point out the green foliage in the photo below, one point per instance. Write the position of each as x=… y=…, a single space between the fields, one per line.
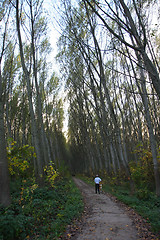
x=19 y=159
x=142 y=171
x=40 y=213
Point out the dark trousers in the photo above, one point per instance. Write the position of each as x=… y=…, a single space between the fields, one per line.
x=97 y=188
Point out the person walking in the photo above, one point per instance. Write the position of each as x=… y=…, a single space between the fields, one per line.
x=97 y=180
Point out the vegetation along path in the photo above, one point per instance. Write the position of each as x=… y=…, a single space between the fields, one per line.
x=105 y=219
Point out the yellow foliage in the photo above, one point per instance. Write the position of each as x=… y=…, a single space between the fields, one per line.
x=142 y=171
x=15 y=163
x=19 y=158
x=59 y=215
x=51 y=173
x=34 y=187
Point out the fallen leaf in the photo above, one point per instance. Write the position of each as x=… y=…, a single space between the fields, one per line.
x=69 y=235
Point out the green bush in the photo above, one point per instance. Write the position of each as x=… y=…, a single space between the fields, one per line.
x=142 y=171
x=14 y=226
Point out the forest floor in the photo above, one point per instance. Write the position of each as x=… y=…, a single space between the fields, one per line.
x=105 y=218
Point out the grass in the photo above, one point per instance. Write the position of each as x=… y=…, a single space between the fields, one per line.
x=148 y=206
x=40 y=213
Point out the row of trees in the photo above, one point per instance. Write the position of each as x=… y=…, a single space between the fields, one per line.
x=109 y=52
x=31 y=113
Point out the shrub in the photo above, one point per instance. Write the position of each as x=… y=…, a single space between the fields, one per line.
x=142 y=171
x=51 y=173
x=19 y=159
x=40 y=213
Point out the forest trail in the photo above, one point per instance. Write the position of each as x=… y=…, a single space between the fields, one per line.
x=105 y=220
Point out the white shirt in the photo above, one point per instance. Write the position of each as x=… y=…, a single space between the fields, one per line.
x=97 y=180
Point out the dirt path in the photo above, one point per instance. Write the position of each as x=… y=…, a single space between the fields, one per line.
x=105 y=219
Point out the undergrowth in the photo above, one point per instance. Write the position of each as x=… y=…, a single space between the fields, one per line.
x=40 y=213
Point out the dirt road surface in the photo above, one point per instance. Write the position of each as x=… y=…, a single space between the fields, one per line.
x=104 y=219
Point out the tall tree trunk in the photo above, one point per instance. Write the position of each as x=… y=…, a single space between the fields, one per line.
x=98 y=160
x=5 y=198
x=150 y=130
x=43 y=143
x=34 y=129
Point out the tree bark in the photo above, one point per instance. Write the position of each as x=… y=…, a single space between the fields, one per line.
x=151 y=133
x=5 y=198
x=34 y=129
